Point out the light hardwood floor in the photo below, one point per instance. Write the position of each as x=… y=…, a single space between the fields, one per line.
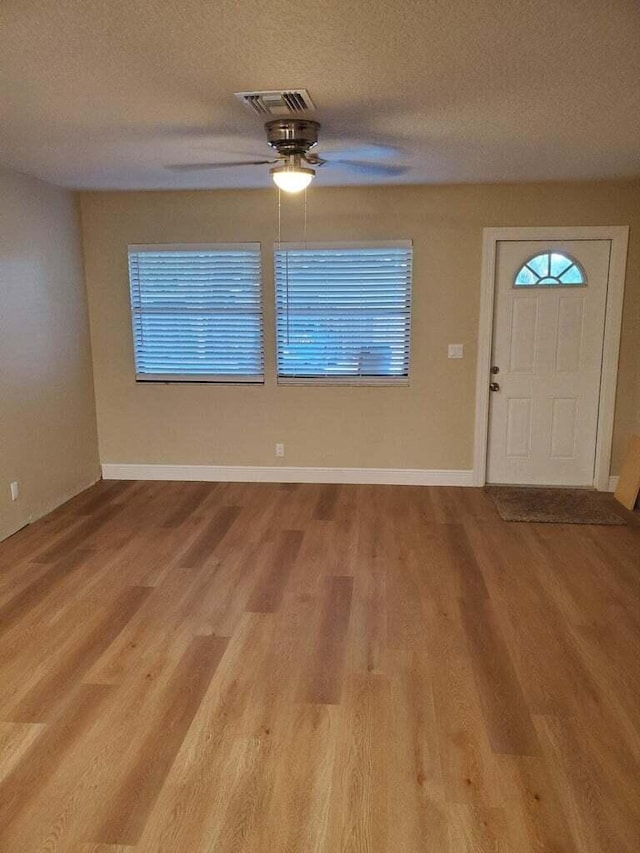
x=193 y=667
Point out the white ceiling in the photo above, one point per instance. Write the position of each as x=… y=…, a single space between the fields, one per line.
x=106 y=93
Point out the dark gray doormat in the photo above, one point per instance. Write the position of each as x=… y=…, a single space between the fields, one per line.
x=556 y=506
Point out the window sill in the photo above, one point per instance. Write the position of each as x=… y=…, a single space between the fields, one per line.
x=198 y=380
x=351 y=381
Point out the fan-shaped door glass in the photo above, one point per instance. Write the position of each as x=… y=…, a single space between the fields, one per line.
x=550 y=269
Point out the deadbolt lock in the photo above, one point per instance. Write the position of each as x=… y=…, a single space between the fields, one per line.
x=495 y=369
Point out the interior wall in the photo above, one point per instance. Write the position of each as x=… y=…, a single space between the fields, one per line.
x=427 y=425
x=48 y=438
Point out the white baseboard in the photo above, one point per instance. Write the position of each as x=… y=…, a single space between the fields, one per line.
x=276 y=474
x=41 y=510
x=613 y=483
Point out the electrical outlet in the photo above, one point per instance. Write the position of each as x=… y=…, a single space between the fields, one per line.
x=279 y=449
x=456 y=351
x=15 y=491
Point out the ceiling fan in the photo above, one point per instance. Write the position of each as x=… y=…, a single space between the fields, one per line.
x=294 y=167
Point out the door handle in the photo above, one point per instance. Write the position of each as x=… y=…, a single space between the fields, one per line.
x=493 y=386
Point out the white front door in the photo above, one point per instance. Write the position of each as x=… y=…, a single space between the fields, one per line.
x=547 y=359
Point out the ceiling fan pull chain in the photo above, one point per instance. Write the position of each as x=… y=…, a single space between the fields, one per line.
x=286 y=278
x=305 y=220
x=279 y=218
x=286 y=255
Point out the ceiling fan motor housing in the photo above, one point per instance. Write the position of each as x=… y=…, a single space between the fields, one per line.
x=292 y=136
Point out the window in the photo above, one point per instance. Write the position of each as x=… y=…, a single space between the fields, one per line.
x=343 y=312
x=197 y=313
x=550 y=270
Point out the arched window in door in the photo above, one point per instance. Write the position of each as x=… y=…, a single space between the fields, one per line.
x=550 y=269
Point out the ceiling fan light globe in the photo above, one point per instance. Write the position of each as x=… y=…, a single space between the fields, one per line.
x=292 y=179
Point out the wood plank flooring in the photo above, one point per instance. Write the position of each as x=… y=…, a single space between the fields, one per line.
x=190 y=667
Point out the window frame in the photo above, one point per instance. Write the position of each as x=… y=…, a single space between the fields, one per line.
x=345 y=379
x=198 y=378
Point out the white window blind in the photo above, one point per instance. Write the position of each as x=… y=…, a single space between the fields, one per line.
x=343 y=311
x=197 y=312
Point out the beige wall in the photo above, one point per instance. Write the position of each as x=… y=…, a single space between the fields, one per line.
x=48 y=437
x=426 y=425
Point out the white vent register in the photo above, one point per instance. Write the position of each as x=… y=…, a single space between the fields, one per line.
x=277 y=102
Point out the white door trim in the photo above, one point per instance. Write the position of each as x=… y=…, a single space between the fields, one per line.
x=619 y=236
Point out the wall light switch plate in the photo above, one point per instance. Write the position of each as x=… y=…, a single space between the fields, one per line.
x=15 y=491
x=456 y=351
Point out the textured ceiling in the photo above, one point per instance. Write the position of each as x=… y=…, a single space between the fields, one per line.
x=106 y=94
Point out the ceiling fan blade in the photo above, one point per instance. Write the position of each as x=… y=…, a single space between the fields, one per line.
x=314 y=160
x=370 y=168
x=196 y=167
x=361 y=151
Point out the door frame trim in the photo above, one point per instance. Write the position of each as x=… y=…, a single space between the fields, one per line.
x=619 y=237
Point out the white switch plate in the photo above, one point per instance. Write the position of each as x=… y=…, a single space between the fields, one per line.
x=456 y=351
x=279 y=449
x=15 y=491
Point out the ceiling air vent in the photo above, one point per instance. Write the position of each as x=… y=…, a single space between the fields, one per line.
x=277 y=103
